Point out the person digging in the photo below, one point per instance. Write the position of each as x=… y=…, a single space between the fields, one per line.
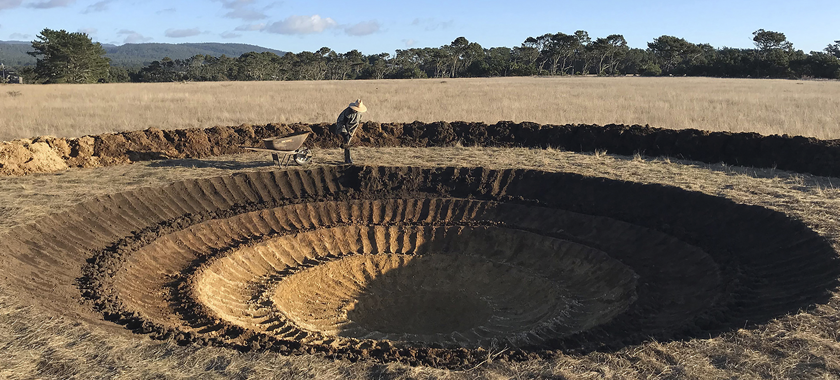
x=346 y=126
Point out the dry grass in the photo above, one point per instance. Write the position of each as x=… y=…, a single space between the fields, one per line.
x=807 y=108
x=803 y=345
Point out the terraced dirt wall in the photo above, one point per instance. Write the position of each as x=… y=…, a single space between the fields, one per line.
x=798 y=154
x=417 y=265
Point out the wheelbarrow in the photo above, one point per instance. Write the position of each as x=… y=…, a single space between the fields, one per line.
x=284 y=149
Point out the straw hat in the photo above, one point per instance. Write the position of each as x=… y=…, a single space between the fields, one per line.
x=358 y=106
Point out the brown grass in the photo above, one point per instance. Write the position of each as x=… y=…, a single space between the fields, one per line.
x=807 y=108
x=803 y=345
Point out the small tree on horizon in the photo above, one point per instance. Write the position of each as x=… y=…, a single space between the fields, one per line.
x=774 y=53
x=834 y=49
x=671 y=52
x=69 y=58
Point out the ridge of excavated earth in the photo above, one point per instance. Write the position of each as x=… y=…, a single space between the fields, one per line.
x=797 y=153
x=307 y=261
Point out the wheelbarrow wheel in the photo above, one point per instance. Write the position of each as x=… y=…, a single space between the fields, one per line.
x=303 y=156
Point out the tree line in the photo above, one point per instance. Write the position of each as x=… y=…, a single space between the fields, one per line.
x=74 y=58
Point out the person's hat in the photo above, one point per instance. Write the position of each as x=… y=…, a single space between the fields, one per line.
x=358 y=106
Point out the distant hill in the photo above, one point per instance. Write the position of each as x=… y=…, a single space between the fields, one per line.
x=129 y=55
x=13 y=53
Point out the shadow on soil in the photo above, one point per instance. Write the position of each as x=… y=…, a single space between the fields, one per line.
x=227 y=165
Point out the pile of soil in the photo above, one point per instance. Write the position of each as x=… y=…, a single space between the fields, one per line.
x=798 y=154
x=224 y=261
x=41 y=155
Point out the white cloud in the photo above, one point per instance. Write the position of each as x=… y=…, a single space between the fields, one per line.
x=19 y=36
x=99 y=6
x=132 y=37
x=250 y=27
x=9 y=4
x=88 y=31
x=409 y=42
x=246 y=14
x=302 y=25
x=363 y=28
x=236 y=3
x=51 y=4
x=430 y=24
x=181 y=33
x=241 y=9
x=230 y=35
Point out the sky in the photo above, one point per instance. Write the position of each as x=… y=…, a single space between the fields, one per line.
x=374 y=27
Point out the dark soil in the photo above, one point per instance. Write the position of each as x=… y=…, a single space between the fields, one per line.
x=792 y=153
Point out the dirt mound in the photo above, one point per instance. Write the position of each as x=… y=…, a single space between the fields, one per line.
x=421 y=266
x=33 y=156
x=798 y=154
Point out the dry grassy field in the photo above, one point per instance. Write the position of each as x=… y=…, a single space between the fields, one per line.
x=808 y=108
x=38 y=343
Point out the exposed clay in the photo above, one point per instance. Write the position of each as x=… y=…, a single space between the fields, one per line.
x=798 y=154
x=547 y=262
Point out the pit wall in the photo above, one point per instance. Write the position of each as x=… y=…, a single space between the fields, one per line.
x=797 y=154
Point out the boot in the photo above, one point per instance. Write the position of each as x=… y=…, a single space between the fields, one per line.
x=347 y=159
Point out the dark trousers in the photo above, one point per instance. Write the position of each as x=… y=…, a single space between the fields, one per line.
x=345 y=138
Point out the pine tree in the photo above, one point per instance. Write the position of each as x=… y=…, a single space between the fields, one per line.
x=69 y=58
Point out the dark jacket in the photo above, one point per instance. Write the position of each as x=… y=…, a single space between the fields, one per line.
x=348 y=121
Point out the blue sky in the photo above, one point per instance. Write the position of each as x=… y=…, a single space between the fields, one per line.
x=384 y=26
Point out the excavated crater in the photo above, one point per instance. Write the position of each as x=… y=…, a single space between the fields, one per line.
x=418 y=265
x=455 y=286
